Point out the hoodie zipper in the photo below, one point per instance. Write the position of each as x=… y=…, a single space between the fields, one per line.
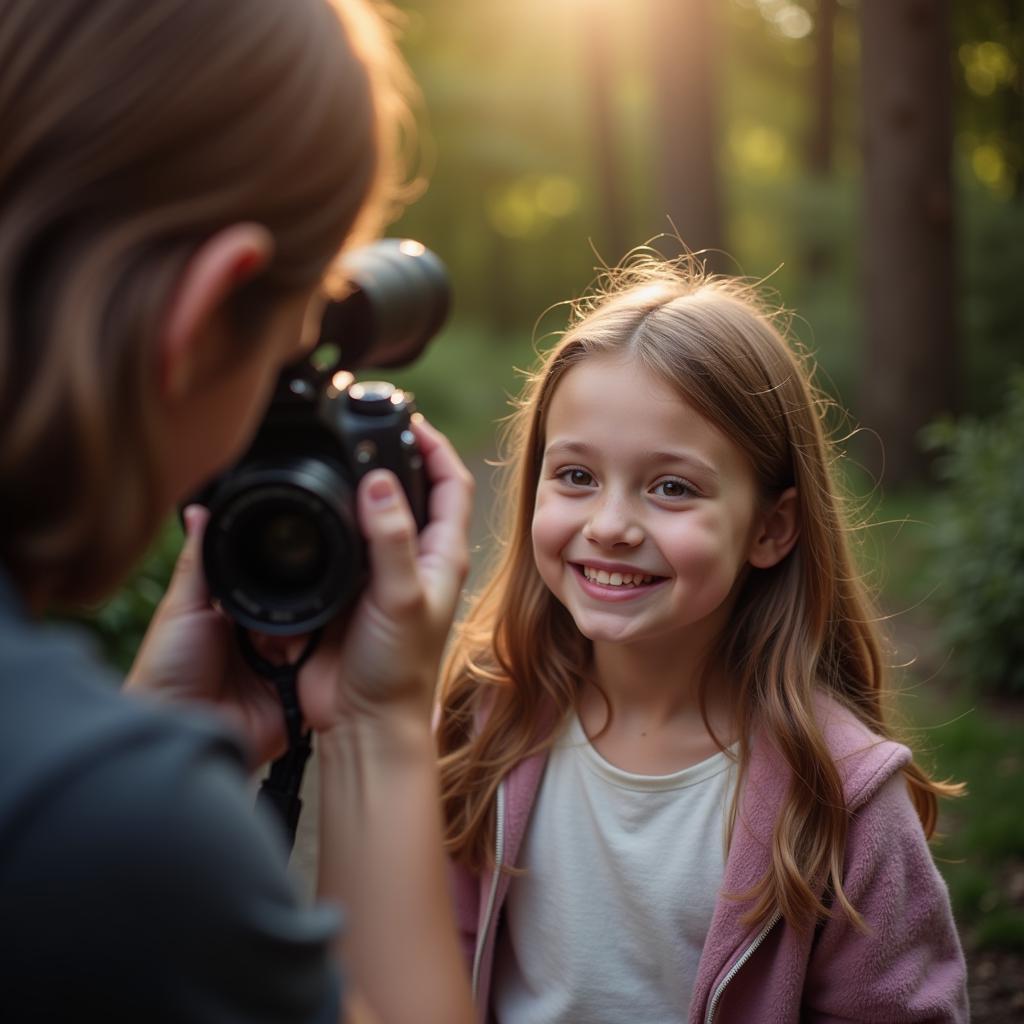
x=499 y=855
x=734 y=970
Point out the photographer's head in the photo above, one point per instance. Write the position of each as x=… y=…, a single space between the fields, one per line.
x=175 y=178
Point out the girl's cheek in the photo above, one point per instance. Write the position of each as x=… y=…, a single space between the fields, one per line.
x=549 y=535
x=541 y=536
x=704 y=550
x=544 y=519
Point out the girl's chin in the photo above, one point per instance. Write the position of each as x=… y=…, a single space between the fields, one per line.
x=608 y=633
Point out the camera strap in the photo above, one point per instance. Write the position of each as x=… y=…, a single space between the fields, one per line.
x=280 y=789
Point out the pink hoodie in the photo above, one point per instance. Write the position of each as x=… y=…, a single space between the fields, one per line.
x=909 y=968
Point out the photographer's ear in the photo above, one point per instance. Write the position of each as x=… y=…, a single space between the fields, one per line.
x=193 y=337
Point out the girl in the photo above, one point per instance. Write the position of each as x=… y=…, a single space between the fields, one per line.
x=176 y=179
x=670 y=789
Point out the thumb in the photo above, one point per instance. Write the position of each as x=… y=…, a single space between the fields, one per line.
x=390 y=531
x=188 y=582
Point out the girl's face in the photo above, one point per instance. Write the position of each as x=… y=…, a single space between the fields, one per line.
x=645 y=513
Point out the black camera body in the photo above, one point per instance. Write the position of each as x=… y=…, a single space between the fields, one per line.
x=283 y=553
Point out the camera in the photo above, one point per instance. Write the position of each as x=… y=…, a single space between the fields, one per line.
x=282 y=552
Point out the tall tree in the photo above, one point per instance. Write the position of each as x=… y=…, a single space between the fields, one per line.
x=820 y=139
x=599 y=67
x=818 y=249
x=684 y=41
x=1013 y=95
x=910 y=350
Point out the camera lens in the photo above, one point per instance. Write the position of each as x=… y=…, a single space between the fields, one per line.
x=282 y=551
x=284 y=548
x=399 y=301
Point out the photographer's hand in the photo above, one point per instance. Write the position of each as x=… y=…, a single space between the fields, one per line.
x=367 y=691
x=386 y=658
x=369 y=695
x=190 y=654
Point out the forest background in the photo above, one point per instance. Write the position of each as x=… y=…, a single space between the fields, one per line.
x=866 y=161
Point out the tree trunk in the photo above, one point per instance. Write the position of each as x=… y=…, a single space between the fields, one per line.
x=1013 y=95
x=683 y=45
x=599 y=67
x=820 y=141
x=818 y=252
x=910 y=350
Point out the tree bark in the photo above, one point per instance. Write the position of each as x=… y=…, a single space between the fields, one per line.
x=683 y=46
x=598 y=57
x=820 y=142
x=910 y=351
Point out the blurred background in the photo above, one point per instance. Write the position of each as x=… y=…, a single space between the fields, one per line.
x=867 y=159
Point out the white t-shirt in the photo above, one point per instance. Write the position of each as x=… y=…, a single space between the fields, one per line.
x=622 y=873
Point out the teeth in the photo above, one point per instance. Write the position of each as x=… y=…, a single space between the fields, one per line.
x=616 y=579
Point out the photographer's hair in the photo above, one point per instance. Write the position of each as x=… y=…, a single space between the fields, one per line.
x=133 y=132
x=808 y=623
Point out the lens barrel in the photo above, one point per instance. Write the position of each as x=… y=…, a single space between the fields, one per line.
x=278 y=549
x=399 y=301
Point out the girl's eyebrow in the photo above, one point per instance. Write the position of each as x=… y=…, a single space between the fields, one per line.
x=569 y=448
x=583 y=449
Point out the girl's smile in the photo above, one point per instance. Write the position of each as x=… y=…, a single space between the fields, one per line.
x=616 y=582
x=645 y=513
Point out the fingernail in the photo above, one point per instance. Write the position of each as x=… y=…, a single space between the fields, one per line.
x=190 y=514
x=381 y=490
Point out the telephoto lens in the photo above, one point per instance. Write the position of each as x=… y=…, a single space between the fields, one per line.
x=399 y=300
x=282 y=553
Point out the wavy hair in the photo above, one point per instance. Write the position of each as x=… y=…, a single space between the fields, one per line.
x=133 y=131
x=807 y=624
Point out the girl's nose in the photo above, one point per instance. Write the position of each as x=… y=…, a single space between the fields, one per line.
x=612 y=524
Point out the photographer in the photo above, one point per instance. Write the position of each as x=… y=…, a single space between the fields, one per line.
x=176 y=178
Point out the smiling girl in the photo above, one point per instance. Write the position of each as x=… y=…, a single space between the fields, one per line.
x=665 y=709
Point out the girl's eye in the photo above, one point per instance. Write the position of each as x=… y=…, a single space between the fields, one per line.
x=673 y=488
x=576 y=476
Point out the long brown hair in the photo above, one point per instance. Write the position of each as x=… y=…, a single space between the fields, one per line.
x=132 y=132
x=805 y=625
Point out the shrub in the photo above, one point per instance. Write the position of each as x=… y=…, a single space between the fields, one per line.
x=977 y=547
x=119 y=624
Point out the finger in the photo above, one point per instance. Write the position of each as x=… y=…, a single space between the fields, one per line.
x=451 y=495
x=390 y=531
x=452 y=484
x=188 y=582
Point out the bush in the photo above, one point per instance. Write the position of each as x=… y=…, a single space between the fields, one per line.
x=991 y=266
x=119 y=624
x=978 y=543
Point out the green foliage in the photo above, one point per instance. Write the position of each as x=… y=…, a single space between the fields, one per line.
x=978 y=543
x=992 y=318
x=120 y=623
x=1002 y=929
x=981 y=844
x=464 y=381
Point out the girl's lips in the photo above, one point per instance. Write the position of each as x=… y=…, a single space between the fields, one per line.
x=611 y=592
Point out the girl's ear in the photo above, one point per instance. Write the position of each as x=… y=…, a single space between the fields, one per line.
x=191 y=330
x=776 y=532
